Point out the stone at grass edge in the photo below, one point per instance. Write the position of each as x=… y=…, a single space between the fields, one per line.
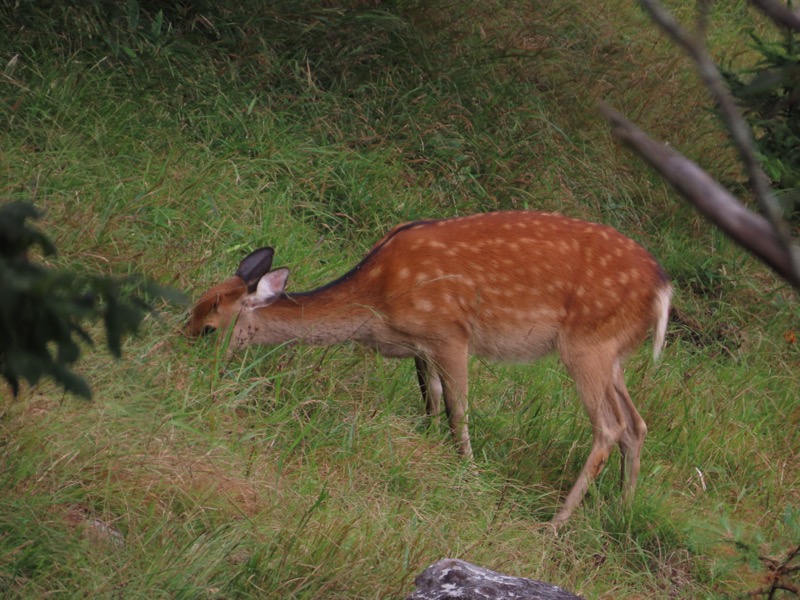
x=453 y=579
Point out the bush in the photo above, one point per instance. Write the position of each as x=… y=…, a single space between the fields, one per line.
x=43 y=310
x=770 y=94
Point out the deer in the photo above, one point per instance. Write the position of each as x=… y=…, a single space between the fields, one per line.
x=510 y=286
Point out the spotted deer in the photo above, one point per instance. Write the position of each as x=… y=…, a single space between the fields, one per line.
x=511 y=286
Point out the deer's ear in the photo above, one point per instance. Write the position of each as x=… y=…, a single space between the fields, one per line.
x=269 y=287
x=254 y=266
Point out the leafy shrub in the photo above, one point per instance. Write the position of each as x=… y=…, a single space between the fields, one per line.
x=43 y=310
x=770 y=94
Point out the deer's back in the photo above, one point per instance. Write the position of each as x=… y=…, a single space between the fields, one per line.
x=513 y=282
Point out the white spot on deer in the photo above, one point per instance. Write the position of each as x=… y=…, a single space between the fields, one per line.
x=423 y=305
x=541 y=314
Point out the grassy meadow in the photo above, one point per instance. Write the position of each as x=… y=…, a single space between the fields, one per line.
x=169 y=139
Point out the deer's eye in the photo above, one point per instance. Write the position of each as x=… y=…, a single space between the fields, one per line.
x=208 y=329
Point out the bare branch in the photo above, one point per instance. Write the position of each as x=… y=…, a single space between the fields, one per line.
x=774 y=246
x=781 y=15
x=750 y=230
x=701 y=21
x=737 y=126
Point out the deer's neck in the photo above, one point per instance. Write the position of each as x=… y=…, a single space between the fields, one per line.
x=323 y=317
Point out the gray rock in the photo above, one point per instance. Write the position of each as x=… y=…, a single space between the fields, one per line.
x=453 y=579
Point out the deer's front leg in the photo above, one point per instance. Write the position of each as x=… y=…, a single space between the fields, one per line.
x=451 y=364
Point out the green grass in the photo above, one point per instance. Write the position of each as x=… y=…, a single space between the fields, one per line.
x=170 y=146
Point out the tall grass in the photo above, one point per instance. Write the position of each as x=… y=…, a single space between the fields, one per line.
x=170 y=143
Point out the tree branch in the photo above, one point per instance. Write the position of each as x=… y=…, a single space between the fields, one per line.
x=737 y=126
x=781 y=15
x=765 y=236
x=748 y=229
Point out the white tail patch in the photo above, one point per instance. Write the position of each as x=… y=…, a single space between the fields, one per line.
x=663 y=298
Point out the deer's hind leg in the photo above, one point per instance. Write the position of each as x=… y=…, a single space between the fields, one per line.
x=592 y=369
x=632 y=439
